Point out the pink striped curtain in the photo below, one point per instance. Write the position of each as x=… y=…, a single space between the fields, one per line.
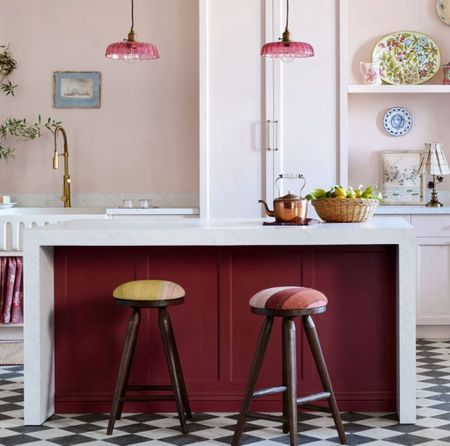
x=11 y=290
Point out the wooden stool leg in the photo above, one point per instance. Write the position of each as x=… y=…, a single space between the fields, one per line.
x=258 y=358
x=290 y=359
x=125 y=367
x=313 y=339
x=179 y=370
x=168 y=342
x=284 y=381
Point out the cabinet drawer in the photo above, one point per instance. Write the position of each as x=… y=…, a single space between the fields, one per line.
x=431 y=225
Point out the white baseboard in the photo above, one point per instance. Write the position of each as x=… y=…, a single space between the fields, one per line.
x=11 y=352
x=433 y=332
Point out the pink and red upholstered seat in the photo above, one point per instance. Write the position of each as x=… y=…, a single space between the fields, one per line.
x=287 y=298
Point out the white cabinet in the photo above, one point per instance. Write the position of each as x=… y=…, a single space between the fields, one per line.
x=301 y=117
x=433 y=301
x=433 y=250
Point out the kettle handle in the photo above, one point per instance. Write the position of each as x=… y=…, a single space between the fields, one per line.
x=291 y=176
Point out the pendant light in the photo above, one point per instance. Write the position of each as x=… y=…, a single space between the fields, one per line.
x=286 y=49
x=130 y=48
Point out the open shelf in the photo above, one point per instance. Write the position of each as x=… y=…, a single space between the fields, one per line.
x=397 y=89
x=11 y=325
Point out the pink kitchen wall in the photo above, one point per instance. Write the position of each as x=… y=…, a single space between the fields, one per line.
x=370 y=20
x=144 y=138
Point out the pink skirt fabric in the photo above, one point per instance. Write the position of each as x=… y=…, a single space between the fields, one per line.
x=11 y=290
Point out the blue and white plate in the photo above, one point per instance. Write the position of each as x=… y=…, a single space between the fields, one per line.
x=398 y=121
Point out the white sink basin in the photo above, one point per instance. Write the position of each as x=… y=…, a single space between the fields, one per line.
x=53 y=211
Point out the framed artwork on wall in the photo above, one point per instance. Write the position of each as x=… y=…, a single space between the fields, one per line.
x=76 y=89
x=401 y=181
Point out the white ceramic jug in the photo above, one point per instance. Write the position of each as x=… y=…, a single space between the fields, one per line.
x=370 y=73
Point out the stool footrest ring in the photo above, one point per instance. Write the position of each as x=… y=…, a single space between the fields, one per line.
x=142 y=398
x=314 y=397
x=149 y=388
x=316 y=408
x=265 y=416
x=269 y=391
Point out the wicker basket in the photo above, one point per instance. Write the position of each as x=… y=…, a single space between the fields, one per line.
x=347 y=210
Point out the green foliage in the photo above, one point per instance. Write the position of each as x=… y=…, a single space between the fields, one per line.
x=24 y=131
x=8 y=88
x=14 y=127
x=7 y=65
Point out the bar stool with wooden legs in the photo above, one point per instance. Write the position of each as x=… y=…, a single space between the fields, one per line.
x=158 y=294
x=288 y=303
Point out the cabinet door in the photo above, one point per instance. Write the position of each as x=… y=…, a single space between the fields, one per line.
x=433 y=306
x=301 y=99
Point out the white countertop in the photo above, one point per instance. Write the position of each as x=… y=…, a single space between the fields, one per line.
x=410 y=210
x=233 y=232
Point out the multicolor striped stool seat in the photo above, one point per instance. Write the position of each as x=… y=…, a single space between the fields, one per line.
x=287 y=298
x=149 y=290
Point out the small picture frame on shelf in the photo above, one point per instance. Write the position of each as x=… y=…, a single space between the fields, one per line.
x=76 y=89
x=400 y=179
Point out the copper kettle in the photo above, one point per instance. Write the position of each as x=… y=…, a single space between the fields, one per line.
x=289 y=208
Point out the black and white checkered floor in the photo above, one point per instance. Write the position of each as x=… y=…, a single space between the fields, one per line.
x=432 y=428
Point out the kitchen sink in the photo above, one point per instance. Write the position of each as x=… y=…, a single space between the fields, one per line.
x=53 y=211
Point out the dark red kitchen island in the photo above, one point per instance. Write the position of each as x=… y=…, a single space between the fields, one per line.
x=215 y=330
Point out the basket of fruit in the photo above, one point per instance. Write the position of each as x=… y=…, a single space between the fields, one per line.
x=342 y=205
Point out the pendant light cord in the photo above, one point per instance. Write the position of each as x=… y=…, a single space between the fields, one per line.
x=287 y=15
x=132 y=15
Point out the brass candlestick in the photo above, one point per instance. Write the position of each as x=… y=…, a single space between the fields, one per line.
x=434 y=202
x=434 y=163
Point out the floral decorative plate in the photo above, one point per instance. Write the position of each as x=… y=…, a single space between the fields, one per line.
x=443 y=10
x=397 y=121
x=407 y=57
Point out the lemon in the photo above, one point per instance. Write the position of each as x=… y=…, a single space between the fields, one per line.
x=351 y=193
x=340 y=192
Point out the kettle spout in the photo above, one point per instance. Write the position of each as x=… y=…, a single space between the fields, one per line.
x=268 y=211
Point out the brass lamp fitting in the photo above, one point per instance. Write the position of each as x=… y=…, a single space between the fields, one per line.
x=434 y=202
x=131 y=36
x=286 y=36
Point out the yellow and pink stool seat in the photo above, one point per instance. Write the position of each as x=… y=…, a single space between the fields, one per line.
x=158 y=294
x=149 y=291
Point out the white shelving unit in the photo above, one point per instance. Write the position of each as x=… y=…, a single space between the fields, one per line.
x=398 y=89
x=349 y=90
x=429 y=102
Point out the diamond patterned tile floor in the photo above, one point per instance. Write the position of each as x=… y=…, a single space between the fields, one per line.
x=432 y=428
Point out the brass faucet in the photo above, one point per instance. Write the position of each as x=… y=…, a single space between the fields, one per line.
x=65 y=197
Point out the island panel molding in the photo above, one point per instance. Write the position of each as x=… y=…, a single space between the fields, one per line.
x=214 y=328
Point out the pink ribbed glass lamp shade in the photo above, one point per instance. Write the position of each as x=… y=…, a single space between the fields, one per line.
x=127 y=50
x=130 y=48
x=287 y=50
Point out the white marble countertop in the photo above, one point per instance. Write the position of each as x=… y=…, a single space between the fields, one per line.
x=195 y=232
x=411 y=210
